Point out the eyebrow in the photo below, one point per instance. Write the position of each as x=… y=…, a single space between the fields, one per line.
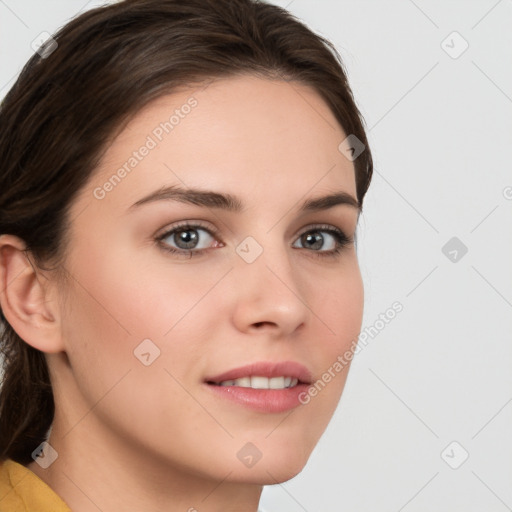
x=232 y=203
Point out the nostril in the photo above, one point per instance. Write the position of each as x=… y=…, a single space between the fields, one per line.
x=261 y=324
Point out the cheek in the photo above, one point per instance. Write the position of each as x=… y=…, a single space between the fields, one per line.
x=124 y=312
x=346 y=310
x=110 y=312
x=338 y=304
x=339 y=312
x=136 y=295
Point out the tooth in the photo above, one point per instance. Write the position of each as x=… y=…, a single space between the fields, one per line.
x=243 y=382
x=276 y=383
x=259 y=382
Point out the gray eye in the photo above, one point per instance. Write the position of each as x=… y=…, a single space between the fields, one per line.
x=188 y=238
x=313 y=239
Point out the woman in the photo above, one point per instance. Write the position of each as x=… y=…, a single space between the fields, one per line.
x=179 y=194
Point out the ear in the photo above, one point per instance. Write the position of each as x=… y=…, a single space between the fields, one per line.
x=25 y=298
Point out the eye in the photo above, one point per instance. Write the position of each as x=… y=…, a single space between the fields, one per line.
x=188 y=239
x=314 y=240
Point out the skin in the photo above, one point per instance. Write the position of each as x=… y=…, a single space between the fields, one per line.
x=133 y=437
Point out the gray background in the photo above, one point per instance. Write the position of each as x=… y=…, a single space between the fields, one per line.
x=440 y=126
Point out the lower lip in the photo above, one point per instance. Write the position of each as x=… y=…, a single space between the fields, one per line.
x=262 y=400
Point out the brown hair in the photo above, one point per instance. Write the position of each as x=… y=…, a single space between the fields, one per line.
x=57 y=120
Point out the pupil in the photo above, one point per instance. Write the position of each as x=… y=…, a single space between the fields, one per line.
x=317 y=240
x=187 y=238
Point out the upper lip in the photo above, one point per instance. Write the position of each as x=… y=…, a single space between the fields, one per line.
x=266 y=369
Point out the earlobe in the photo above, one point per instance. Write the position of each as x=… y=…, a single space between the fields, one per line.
x=25 y=298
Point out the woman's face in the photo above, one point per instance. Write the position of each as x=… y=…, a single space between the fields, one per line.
x=147 y=331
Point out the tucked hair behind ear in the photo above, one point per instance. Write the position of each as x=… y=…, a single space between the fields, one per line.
x=58 y=118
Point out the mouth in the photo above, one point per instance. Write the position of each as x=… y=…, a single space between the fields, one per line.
x=264 y=387
x=260 y=382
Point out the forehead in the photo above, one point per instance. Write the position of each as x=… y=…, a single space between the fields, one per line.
x=253 y=137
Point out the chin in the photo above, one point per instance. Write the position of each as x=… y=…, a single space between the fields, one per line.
x=283 y=472
x=269 y=475
x=274 y=468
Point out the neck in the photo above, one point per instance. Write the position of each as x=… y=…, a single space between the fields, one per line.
x=107 y=475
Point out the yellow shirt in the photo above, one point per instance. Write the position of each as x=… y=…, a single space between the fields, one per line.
x=21 y=490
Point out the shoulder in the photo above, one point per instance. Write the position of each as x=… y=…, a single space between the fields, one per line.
x=21 y=490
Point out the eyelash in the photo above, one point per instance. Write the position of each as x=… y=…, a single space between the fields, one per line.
x=342 y=240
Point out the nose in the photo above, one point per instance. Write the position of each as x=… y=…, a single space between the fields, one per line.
x=269 y=294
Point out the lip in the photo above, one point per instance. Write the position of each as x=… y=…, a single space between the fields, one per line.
x=266 y=369
x=263 y=400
